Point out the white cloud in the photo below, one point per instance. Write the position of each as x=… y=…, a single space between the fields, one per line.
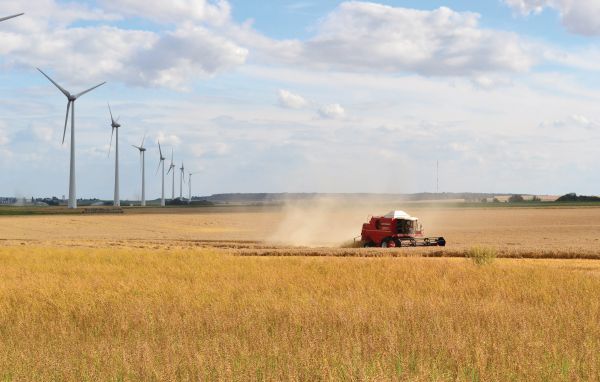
x=167 y=140
x=43 y=133
x=333 y=111
x=291 y=100
x=574 y=120
x=373 y=37
x=167 y=58
x=184 y=54
x=3 y=135
x=527 y=6
x=214 y=12
x=577 y=16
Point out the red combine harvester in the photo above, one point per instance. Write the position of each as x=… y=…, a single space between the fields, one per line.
x=396 y=229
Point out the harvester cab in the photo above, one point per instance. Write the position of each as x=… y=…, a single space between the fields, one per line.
x=397 y=229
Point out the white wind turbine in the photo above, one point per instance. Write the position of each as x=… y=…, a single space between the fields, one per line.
x=190 y=186
x=142 y=151
x=11 y=17
x=172 y=168
x=115 y=126
x=71 y=98
x=181 y=180
x=162 y=161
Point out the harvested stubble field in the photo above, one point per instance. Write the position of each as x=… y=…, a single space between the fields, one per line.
x=167 y=297
x=322 y=230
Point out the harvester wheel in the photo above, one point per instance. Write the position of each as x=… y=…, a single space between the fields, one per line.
x=368 y=245
x=384 y=244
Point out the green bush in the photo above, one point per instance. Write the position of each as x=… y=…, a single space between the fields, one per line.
x=481 y=255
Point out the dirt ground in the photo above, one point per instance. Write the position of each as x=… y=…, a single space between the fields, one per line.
x=317 y=230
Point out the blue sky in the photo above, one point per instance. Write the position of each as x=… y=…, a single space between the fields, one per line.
x=305 y=96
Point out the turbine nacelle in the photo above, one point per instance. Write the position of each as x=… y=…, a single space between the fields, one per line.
x=172 y=165
x=114 y=124
x=141 y=147
x=70 y=97
x=162 y=158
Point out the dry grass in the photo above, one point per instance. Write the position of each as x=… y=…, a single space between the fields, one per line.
x=125 y=314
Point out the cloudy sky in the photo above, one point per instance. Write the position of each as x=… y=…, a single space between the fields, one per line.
x=305 y=96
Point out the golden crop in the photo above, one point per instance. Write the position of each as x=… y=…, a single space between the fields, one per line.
x=194 y=314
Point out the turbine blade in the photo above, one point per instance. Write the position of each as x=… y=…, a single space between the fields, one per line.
x=143 y=139
x=111 y=138
x=89 y=90
x=11 y=17
x=170 y=168
x=66 y=93
x=111 y=115
x=139 y=148
x=66 y=122
x=158 y=168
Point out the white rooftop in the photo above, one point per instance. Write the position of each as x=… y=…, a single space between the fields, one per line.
x=399 y=215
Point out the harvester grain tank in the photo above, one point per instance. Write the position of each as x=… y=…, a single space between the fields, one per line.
x=397 y=229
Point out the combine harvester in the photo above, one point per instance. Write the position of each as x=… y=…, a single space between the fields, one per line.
x=396 y=229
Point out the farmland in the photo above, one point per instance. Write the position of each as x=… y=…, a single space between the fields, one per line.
x=198 y=295
x=318 y=230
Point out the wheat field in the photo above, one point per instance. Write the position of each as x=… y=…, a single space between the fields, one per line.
x=97 y=314
x=167 y=297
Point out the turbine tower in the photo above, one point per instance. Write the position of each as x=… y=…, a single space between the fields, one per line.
x=162 y=161
x=190 y=186
x=11 y=17
x=181 y=180
x=142 y=151
x=115 y=126
x=172 y=168
x=71 y=103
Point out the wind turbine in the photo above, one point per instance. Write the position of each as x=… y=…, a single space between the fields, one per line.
x=181 y=180
x=71 y=98
x=11 y=17
x=172 y=168
x=142 y=151
x=190 y=186
x=162 y=161
x=115 y=126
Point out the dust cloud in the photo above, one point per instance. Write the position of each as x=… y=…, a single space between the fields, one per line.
x=333 y=222
x=316 y=223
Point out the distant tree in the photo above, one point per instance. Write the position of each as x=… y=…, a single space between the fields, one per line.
x=496 y=200
x=516 y=199
x=484 y=200
x=573 y=197
x=536 y=199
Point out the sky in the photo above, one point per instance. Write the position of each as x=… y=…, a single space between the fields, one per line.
x=304 y=96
